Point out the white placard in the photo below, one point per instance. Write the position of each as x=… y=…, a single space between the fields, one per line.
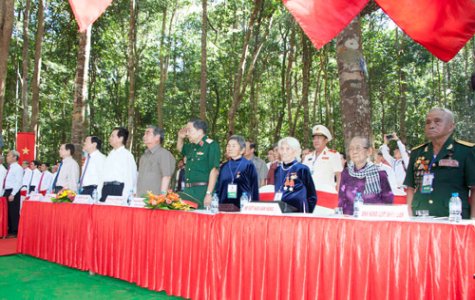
x=376 y=211
x=262 y=208
x=82 y=199
x=115 y=200
x=47 y=197
x=35 y=197
x=322 y=211
x=138 y=202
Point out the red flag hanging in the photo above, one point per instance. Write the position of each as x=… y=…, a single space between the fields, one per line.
x=88 y=11
x=25 y=145
x=322 y=20
x=442 y=26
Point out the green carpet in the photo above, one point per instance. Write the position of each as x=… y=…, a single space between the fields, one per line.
x=25 y=277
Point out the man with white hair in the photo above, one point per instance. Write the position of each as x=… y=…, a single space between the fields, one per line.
x=442 y=166
x=11 y=187
x=324 y=163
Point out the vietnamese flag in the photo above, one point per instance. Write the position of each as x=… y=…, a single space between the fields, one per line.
x=322 y=20
x=25 y=145
x=442 y=26
x=87 y=12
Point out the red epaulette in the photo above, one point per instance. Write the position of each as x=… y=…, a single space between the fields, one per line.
x=332 y=151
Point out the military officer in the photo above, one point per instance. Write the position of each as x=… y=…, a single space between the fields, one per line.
x=202 y=161
x=441 y=167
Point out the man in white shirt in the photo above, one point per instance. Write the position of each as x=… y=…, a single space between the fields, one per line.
x=11 y=186
x=399 y=161
x=120 y=170
x=379 y=161
x=35 y=175
x=68 y=172
x=3 y=173
x=27 y=172
x=46 y=179
x=325 y=164
x=93 y=166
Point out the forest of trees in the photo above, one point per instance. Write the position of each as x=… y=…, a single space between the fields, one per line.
x=245 y=66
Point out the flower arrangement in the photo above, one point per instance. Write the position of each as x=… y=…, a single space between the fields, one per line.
x=64 y=195
x=168 y=201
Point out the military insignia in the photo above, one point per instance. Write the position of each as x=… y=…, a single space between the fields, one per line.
x=238 y=174
x=332 y=151
x=199 y=153
x=201 y=143
x=452 y=163
x=465 y=143
x=293 y=176
x=325 y=158
x=420 y=146
x=209 y=141
x=450 y=147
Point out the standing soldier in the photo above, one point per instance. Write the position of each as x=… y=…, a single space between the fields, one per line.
x=441 y=167
x=202 y=161
x=325 y=164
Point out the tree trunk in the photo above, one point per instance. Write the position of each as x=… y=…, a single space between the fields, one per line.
x=35 y=84
x=288 y=79
x=131 y=66
x=307 y=65
x=24 y=69
x=204 y=32
x=253 y=99
x=402 y=134
x=6 y=28
x=80 y=92
x=354 y=97
x=163 y=71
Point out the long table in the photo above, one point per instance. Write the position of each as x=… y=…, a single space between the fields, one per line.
x=237 y=256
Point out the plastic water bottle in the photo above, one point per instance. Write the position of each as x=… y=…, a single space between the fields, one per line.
x=455 y=208
x=95 y=197
x=214 y=203
x=130 y=198
x=357 y=205
x=244 y=199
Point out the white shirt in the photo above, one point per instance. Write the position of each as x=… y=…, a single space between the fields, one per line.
x=399 y=165
x=324 y=168
x=26 y=177
x=46 y=179
x=120 y=166
x=68 y=175
x=94 y=168
x=3 y=172
x=392 y=179
x=14 y=178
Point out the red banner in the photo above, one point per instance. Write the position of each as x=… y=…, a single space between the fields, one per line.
x=87 y=12
x=322 y=20
x=25 y=145
x=442 y=26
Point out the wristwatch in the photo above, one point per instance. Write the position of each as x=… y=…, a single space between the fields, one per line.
x=208 y=193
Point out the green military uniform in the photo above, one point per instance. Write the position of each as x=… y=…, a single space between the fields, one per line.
x=201 y=158
x=454 y=172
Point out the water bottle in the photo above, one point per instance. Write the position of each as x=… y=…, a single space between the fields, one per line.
x=130 y=198
x=244 y=199
x=214 y=203
x=357 y=205
x=455 y=208
x=95 y=197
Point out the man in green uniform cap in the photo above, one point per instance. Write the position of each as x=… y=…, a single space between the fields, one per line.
x=441 y=167
x=202 y=162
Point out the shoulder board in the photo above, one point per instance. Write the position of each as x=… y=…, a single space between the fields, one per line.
x=420 y=146
x=209 y=141
x=332 y=151
x=465 y=143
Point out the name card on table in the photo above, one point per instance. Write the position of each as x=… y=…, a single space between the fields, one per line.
x=373 y=211
x=138 y=202
x=35 y=197
x=115 y=200
x=82 y=199
x=262 y=208
x=322 y=211
x=47 y=197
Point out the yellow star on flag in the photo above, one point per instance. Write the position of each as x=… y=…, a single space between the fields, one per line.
x=25 y=151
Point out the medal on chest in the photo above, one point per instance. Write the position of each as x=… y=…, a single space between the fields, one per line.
x=289 y=183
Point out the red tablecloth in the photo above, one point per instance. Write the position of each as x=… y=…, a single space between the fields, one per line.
x=327 y=199
x=57 y=232
x=233 y=256
x=3 y=217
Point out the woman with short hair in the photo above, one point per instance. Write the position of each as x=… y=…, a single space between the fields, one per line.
x=362 y=176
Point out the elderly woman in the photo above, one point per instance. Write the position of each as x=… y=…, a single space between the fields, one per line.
x=237 y=175
x=363 y=176
x=293 y=180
